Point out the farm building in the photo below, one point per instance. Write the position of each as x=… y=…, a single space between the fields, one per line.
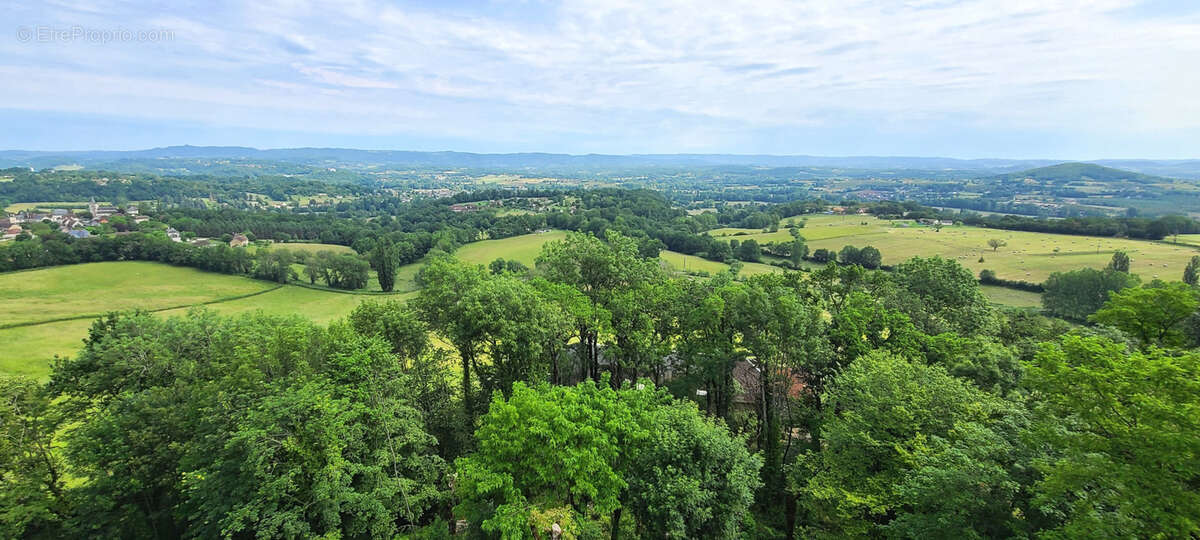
x=239 y=240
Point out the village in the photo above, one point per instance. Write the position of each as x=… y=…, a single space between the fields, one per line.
x=84 y=224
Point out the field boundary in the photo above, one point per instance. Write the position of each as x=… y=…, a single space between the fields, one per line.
x=155 y=310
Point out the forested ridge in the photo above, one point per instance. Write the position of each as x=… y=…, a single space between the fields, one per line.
x=596 y=396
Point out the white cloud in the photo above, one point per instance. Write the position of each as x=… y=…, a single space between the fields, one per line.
x=606 y=68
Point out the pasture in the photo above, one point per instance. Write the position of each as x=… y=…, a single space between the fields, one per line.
x=1012 y=297
x=679 y=262
x=524 y=248
x=92 y=289
x=21 y=207
x=89 y=290
x=309 y=247
x=1027 y=256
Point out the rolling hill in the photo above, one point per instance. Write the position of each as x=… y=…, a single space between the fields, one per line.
x=1065 y=173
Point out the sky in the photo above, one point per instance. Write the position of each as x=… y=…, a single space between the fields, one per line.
x=1055 y=79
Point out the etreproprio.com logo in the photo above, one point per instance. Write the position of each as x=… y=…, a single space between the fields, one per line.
x=85 y=34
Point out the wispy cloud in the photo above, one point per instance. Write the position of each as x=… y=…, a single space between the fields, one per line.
x=638 y=75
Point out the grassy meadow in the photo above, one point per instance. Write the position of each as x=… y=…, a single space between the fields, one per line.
x=1012 y=297
x=21 y=207
x=89 y=290
x=524 y=248
x=309 y=247
x=93 y=289
x=1028 y=256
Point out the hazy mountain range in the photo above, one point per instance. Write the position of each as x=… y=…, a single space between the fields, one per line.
x=357 y=158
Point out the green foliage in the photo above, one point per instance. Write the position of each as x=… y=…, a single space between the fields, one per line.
x=983 y=361
x=33 y=499
x=1077 y=294
x=863 y=324
x=396 y=323
x=939 y=295
x=576 y=455
x=689 y=478
x=749 y=251
x=1191 y=273
x=910 y=451
x=223 y=427
x=867 y=257
x=798 y=250
x=1153 y=314
x=1125 y=429
x=384 y=259
x=500 y=266
x=274 y=265
x=1120 y=262
x=547 y=447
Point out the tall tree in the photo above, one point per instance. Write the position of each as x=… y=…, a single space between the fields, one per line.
x=599 y=269
x=396 y=323
x=228 y=427
x=34 y=501
x=440 y=304
x=384 y=260
x=939 y=295
x=1191 y=273
x=1079 y=293
x=799 y=250
x=785 y=336
x=1120 y=262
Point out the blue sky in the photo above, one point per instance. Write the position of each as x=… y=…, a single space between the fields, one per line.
x=1069 y=79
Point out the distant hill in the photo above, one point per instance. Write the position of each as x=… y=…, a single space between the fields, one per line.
x=352 y=156
x=1065 y=173
x=184 y=159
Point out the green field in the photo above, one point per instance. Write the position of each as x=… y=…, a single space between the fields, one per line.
x=818 y=227
x=1012 y=297
x=21 y=207
x=92 y=289
x=527 y=247
x=1029 y=256
x=691 y=263
x=524 y=248
x=308 y=247
x=88 y=290
x=687 y=264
